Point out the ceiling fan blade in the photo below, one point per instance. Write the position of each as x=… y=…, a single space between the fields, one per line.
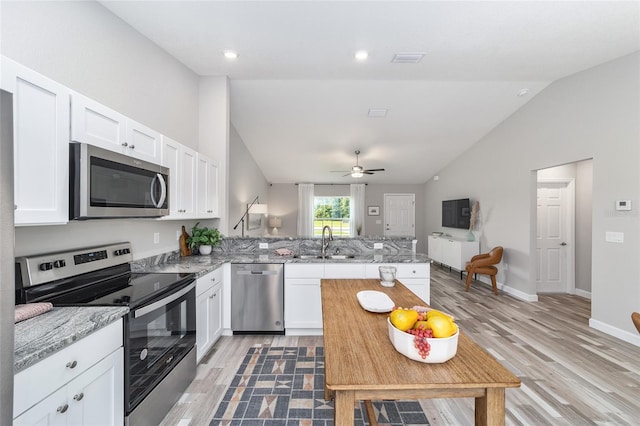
x=340 y=171
x=373 y=170
x=348 y=174
x=367 y=172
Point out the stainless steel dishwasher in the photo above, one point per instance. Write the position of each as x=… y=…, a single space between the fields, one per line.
x=257 y=298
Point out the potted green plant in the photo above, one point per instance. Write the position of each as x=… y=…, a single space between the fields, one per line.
x=203 y=239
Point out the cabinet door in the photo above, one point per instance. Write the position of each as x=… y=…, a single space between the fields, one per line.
x=96 y=124
x=302 y=303
x=51 y=411
x=142 y=142
x=201 y=186
x=171 y=159
x=41 y=150
x=435 y=249
x=97 y=396
x=216 y=313
x=451 y=252
x=419 y=286
x=187 y=183
x=207 y=187
x=212 y=188
x=203 y=327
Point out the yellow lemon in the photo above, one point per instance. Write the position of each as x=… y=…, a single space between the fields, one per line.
x=434 y=312
x=441 y=326
x=403 y=319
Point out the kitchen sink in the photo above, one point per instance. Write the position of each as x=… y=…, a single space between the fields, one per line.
x=329 y=256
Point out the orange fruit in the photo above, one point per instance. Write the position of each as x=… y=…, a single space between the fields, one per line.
x=441 y=326
x=403 y=319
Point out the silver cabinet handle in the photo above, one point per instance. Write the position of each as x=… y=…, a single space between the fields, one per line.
x=72 y=364
x=132 y=147
x=63 y=408
x=125 y=144
x=78 y=396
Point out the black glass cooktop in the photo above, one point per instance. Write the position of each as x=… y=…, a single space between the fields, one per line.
x=117 y=286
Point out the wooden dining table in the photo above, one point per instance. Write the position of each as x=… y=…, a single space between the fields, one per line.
x=361 y=364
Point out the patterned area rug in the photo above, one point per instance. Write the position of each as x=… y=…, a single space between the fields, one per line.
x=285 y=386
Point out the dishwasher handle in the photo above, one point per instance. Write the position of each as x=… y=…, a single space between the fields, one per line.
x=257 y=272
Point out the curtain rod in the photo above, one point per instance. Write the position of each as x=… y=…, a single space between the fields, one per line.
x=330 y=184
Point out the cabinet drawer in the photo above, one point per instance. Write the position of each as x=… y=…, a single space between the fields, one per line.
x=206 y=282
x=307 y=270
x=344 y=270
x=41 y=379
x=413 y=270
x=371 y=270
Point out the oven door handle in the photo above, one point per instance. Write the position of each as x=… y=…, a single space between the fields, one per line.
x=163 y=302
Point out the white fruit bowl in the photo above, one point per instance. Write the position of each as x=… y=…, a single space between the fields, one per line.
x=442 y=349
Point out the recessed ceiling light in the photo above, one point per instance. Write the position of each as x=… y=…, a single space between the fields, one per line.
x=408 y=58
x=230 y=54
x=523 y=92
x=361 y=55
x=377 y=112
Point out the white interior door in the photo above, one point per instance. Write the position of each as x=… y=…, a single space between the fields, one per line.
x=553 y=237
x=399 y=215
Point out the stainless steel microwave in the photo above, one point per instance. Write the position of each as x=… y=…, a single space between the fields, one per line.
x=106 y=184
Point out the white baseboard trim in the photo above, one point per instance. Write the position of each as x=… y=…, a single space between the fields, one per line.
x=583 y=293
x=518 y=294
x=633 y=338
x=303 y=331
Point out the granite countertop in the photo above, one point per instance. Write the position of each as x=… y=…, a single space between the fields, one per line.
x=41 y=336
x=202 y=265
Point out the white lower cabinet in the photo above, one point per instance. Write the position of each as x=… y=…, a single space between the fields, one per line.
x=302 y=291
x=452 y=252
x=209 y=299
x=82 y=384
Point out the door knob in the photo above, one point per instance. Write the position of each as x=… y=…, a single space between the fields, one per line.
x=563 y=243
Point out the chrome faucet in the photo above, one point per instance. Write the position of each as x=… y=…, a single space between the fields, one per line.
x=325 y=243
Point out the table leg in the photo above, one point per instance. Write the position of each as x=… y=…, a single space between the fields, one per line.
x=343 y=414
x=490 y=408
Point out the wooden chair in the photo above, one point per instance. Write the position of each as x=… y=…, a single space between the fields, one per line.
x=483 y=264
x=635 y=317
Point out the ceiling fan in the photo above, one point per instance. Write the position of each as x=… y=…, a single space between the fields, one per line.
x=358 y=171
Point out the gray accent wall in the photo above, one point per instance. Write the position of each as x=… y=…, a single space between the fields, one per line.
x=591 y=114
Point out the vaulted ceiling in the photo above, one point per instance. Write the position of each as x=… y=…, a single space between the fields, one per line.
x=299 y=98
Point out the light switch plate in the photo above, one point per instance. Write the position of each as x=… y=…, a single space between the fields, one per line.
x=614 y=237
x=623 y=205
x=263 y=245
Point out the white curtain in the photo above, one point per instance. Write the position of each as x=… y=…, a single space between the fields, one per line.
x=357 y=209
x=305 y=210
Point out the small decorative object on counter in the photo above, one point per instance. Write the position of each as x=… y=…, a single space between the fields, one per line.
x=184 y=248
x=387 y=275
x=204 y=239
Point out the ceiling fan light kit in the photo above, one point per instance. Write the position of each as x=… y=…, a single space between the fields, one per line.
x=358 y=171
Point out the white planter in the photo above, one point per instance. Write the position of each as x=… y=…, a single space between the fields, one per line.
x=205 y=249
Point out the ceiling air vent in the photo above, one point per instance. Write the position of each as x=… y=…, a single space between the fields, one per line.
x=407 y=58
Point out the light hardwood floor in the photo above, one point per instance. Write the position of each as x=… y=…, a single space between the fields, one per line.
x=571 y=374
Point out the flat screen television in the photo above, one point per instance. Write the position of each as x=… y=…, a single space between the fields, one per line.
x=456 y=213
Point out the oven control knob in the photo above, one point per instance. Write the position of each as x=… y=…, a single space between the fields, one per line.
x=59 y=264
x=46 y=266
x=126 y=251
x=117 y=252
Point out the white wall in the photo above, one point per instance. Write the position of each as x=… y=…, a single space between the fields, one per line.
x=85 y=47
x=245 y=182
x=592 y=114
x=584 y=224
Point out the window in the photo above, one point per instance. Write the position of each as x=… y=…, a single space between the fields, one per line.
x=332 y=211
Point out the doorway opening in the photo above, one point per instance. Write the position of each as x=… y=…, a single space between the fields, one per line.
x=563 y=232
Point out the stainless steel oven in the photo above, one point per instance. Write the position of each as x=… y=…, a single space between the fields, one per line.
x=159 y=331
x=106 y=184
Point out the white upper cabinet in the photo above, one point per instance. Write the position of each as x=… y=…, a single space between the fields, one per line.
x=96 y=124
x=207 y=188
x=41 y=145
x=181 y=161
